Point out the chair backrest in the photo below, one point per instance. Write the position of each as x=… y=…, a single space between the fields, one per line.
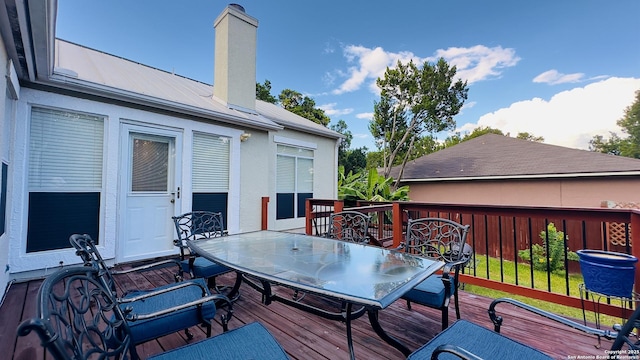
x=86 y=249
x=78 y=318
x=438 y=238
x=352 y=226
x=197 y=225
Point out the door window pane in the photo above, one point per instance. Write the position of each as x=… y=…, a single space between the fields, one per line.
x=150 y=171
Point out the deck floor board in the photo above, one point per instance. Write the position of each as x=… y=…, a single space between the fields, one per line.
x=307 y=336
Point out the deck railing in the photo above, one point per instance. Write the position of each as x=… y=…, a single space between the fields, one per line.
x=498 y=233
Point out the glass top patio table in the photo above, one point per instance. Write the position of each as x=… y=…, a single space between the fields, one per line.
x=360 y=274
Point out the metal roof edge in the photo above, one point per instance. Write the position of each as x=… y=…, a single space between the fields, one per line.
x=67 y=83
x=520 y=177
x=310 y=130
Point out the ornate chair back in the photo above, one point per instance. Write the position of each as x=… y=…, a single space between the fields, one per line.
x=197 y=225
x=438 y=238
x=87 y=251
x=79 y=318
x=352 y=226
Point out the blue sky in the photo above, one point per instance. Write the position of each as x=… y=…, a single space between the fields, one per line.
x=564 y=70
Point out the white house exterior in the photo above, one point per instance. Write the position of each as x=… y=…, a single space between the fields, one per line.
x=93 y=143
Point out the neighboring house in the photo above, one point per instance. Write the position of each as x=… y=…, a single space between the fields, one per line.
x=500 y=170
x=94 y=143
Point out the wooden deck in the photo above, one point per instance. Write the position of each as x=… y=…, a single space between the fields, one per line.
x=306 y=336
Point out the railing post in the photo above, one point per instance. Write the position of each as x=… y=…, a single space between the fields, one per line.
x=635 y=250
x=397 y=224
x=309 y=216
x=265 y=213
x=338 y=206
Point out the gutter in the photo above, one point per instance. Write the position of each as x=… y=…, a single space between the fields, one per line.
x=520 y=177
x=66 y=83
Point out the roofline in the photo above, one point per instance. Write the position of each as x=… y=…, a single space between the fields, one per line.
x=81 y=86
x=307 y=129
x=520 y=177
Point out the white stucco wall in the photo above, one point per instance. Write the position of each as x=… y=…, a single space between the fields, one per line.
x=252 y=176
x=5 y=123
x=22 y=262
x=325 y=175
x=254 y=180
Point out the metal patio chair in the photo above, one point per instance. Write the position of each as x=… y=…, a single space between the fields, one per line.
x=78 y=317
x=186 y=303
x=466 y=340
x=352 y=226
x=445 y=240
x=202 y=225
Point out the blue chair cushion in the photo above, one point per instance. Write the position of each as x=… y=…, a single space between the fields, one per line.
x=485 y=343
x=204 y=268
x=144 y=330
x=430 y=292
x=252 y=341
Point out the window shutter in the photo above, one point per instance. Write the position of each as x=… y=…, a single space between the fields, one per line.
x=285 y=182
x=210 y=163
x=305 y=175
x=65 y=151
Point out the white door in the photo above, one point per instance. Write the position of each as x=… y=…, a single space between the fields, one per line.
x=150 y=183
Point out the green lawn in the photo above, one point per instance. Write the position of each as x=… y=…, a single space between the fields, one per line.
x=557 y=283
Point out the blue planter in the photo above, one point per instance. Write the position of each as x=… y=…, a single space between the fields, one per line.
x=608 y=273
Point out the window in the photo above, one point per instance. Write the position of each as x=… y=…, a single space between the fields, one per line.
x=65 y=177
x=210 y=173
x=294 y=181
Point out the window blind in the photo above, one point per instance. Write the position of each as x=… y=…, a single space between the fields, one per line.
x=211 y=154
x=65 y=151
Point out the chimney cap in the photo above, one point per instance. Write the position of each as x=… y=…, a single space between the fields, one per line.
x=237 y=7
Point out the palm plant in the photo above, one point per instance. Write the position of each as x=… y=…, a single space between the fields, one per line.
x=369 y=186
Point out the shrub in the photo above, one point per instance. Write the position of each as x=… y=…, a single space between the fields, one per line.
x=555 y=255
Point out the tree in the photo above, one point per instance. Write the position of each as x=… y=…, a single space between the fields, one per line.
x=616 y=145
x=630 y=125
x=414 y=101
x=303 y=106
x=355 y=160
x=529 y=137
x=609 y=146
x=263 y=92
x=341 y=127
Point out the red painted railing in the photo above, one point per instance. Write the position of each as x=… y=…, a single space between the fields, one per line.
x=499 y=232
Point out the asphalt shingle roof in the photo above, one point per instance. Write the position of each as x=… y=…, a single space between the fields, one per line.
x=491 y=156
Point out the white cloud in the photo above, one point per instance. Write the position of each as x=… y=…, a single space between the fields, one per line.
x=473 y=64
x=570 y=118
x=330 y=110
x=478 y=62
x=553 y=77
x=366 y=116
x=370 y=65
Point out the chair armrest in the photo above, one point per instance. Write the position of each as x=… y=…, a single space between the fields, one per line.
x=453 y=265
x=218 y=299
x=158 y=264
x=497 y=320
x=148 y=294
x=455 y=350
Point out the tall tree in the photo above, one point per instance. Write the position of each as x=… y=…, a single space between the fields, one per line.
x=630 y=125
x=628 y=146
x=413 y=102
x=263 y=92
x=303 y=106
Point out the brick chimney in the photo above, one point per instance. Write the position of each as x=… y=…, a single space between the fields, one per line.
x=235 y=58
